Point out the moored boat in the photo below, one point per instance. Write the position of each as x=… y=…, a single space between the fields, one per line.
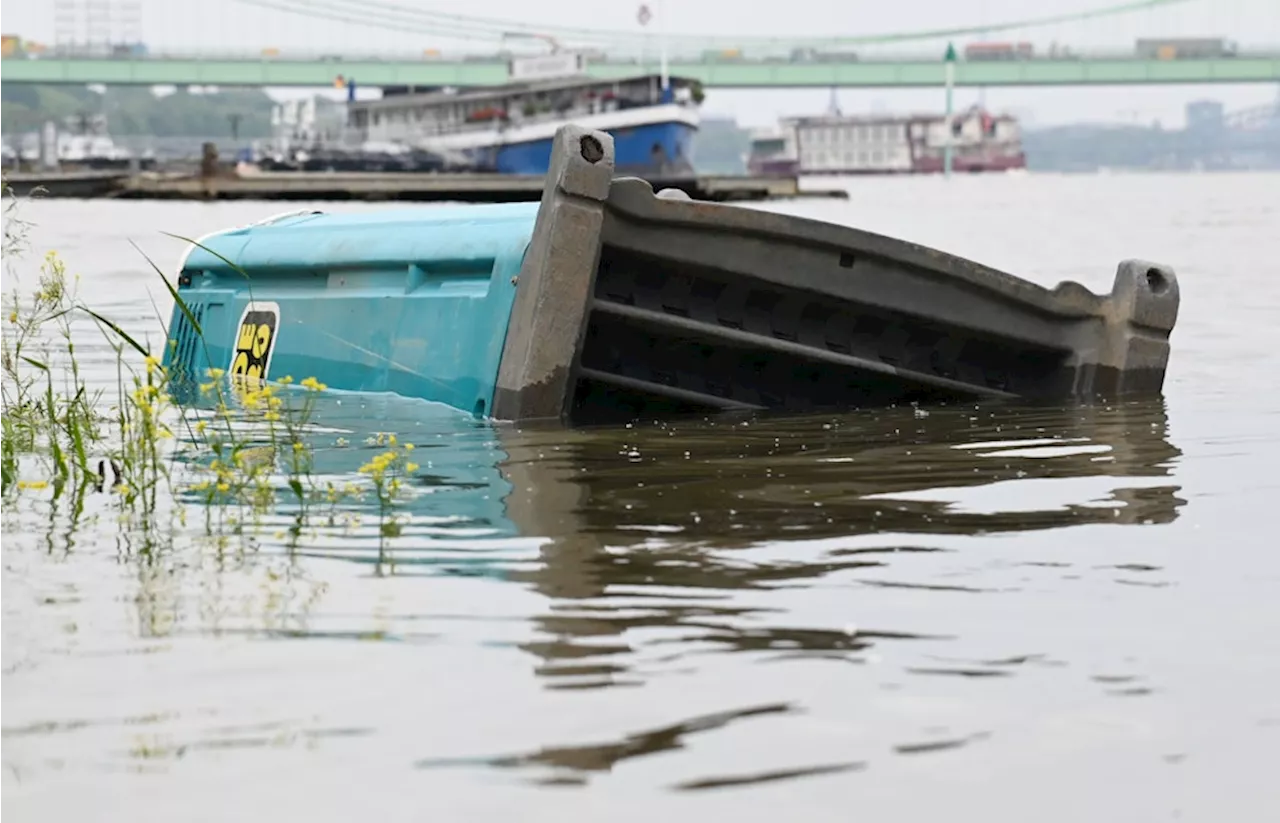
x=504 y=129
x=652 y=119
x=888 y=144
x=606 y=299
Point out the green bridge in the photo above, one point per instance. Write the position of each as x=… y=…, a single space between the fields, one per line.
x=1077 y=70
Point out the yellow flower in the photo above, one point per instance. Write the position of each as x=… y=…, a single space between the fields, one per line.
x=33 y=484
x=411 y=467
x=408 y=447
x=153 y=363
x=313 y=384
x=214 y=373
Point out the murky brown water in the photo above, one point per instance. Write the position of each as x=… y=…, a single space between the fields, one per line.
x=971 y=612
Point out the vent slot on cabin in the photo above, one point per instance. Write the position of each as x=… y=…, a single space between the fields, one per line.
x=187 y=346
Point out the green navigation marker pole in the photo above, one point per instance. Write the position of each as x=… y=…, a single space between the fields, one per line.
x=662 y=44
x=951 y=81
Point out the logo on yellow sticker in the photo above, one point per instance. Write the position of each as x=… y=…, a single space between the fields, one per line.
x=254 y=343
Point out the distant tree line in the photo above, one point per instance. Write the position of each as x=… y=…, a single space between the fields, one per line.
x=1086 y=148
x=1090 y=147
x=135 y=110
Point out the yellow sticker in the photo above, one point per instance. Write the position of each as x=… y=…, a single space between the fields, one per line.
x=254 y=343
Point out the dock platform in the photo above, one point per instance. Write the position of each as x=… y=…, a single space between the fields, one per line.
x=466 y=188
x=376 y=186
x=81 y=184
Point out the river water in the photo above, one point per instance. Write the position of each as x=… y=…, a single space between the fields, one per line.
x=997 y=613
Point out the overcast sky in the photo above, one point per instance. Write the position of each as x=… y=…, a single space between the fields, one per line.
x=246 y=26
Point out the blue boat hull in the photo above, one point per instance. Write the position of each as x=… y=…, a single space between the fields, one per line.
x=652 y=148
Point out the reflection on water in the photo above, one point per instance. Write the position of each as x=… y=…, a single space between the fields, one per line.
x=725 y=485
x=662 y=507
x=588 y=495
x=643 y=542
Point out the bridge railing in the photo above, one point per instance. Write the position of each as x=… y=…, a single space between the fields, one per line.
x=866 y=54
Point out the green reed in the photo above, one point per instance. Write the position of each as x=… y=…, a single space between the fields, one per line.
x=243 y=452
x=59 y=420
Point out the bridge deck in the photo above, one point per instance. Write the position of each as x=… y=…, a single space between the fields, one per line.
x=1074 y=71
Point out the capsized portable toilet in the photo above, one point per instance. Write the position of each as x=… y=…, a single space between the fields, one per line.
x=607 y=300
